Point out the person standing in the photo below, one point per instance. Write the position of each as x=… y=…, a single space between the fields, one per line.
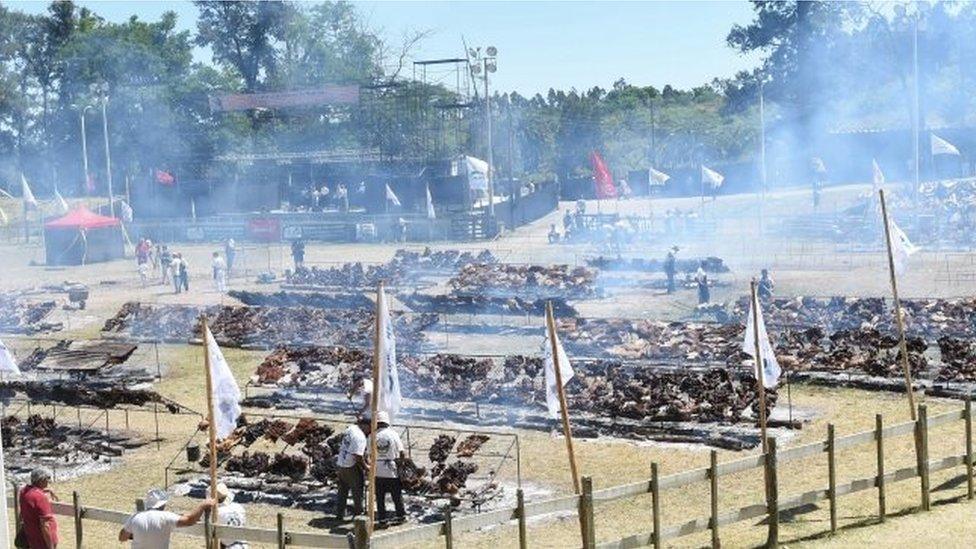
x=342 y=197
x=702 y=279
x=230 y=513
x=351 y=467
x=36 y=513
x=389 y=448
x=174 y=268
x=671 y=268
x=165 y=260
x=219 y=272
x=151 y=529
x=230 y=252
x=298 y=253
x=184 y=274
x=765 y=286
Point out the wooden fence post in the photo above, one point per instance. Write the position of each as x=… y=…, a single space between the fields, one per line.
x=969 y=447
x=656 y=506
x=280 y=523
x=713 y=489
x=520 y=505
x=880 y=482
x=923 y=444
x=76 y=503
x=360 y=533
x=772 y=493
x=586 y=501
x=448 y=528
x=832 y=477
x=16 y=504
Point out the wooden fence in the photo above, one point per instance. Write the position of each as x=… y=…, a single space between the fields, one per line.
x=583 y=505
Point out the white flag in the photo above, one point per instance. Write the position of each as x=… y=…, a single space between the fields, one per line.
x=7 y=362
x=226 y=394
x=477 y=170
x=430 y=205
x=877 y=176
x=126 y=211
x=565 y=371
x=901 y=247
x=818 y=165
x=389 y=396
x=392 y=197
x=711 y=177
x=3 y=217
x=941 y=146
x=771 y=369
x=26 y=194
x=61 y=202
x=658 y=178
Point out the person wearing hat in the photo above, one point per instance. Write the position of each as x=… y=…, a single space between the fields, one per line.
x=40 y=529
x=151 y=528
x=670 y=268
x=351 y=466
x=389 y=449
x=229 y=513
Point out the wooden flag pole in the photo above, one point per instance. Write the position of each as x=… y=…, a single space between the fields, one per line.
x=567 y=432
x=760 y=368
x=211 y=426
x=374 y=403
x=902 y=346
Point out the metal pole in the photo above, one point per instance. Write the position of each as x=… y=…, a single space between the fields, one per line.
x=108 y=157
x=84 y=144
x=491 y=156
x=916 y=115
x=762 y=155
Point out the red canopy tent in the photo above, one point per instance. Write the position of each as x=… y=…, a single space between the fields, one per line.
x=82 y=236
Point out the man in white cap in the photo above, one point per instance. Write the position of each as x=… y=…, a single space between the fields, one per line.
x=389 y=448
x=229 y=513
x=351 y=466
x=151 y=529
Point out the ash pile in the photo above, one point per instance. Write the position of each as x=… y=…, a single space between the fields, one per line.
x=485 y=305
x=526 y=281
x=262 y=327
x=292 y=464
x=404 y=269
x=67 y=450
x=22 y=316
x=315 y=300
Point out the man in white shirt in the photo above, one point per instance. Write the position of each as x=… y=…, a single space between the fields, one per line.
x=151 y=529
x=219 y=272
x=389 y=448
x=351 y=467
x=229 y=513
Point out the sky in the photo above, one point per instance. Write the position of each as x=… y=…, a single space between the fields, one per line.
x=541 y=45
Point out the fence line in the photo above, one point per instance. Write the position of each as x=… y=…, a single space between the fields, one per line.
x=578 y=504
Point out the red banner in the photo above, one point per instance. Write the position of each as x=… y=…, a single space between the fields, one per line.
x=326 y=95
x=264 y=229
x=602 y=180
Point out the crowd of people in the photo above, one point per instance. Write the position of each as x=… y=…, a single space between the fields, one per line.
x=157 y=262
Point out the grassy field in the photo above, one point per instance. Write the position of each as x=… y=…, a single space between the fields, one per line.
x=799 y=268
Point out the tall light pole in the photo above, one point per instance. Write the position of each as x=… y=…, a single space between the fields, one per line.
x=102 y=91
x=84 y=140
x=916 y=114
x=762 y=151
x=487 y=64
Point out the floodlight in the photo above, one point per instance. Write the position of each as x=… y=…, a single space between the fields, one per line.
x=491 y=51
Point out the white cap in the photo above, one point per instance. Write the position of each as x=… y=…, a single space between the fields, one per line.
x=223 y=492
x=383 y=417
x=156 y=499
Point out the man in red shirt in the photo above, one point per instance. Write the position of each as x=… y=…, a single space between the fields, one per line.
x=36 y=513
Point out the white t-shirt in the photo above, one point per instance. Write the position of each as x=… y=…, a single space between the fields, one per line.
x=388 y=448
x=353 y=444
x=232 y=514
x=151 y=529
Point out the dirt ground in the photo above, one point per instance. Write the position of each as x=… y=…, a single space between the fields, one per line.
x=799 y=268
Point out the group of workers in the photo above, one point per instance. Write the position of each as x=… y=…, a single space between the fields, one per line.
x=764 y=287
x=352 y=465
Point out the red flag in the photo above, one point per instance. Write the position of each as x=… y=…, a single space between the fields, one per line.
x=164 y=178
x=602 y=180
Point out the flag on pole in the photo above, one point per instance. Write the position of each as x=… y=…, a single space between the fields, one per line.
x=901 y=247
x=711 y=177
x=226 y=394
x=565 y=371
x=61 y=202
x=771 y=370
x=941 y=146
x=390 y=196
x=658 y=178
x=877 y=176
x=26 y=194
x=126 y=211
x=430 y=205
x=389 y=397
x=7 y=362
x=477 y=171
x=602 y=179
